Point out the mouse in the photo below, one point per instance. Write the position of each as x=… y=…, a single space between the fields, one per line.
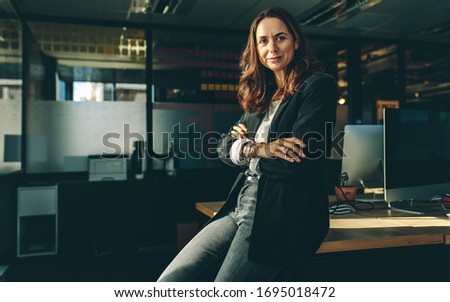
x=448 y=215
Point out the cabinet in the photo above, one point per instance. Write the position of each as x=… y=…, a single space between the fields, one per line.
x=37 y=221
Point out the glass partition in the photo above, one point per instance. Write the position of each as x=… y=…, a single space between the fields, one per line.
x=10 y=95
x=93 y=95
x=196 y=67
x=333 y=55
x=89 y=63
x=195 y=78
x=427 y=78
x=380 y=80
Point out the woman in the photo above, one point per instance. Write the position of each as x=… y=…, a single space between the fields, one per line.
x=277 y=211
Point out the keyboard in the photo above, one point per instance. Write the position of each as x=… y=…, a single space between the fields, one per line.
x=407 y=207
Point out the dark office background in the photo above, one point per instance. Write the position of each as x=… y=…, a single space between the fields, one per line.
x=71 y=71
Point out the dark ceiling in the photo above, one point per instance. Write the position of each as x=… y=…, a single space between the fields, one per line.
x=393 y=19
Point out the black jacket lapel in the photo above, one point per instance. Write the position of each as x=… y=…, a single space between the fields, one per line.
x=253 y=122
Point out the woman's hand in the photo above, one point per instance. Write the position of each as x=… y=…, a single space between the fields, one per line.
x=239 y=131
x=285 y=148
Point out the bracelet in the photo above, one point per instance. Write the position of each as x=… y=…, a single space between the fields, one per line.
x=250 y=149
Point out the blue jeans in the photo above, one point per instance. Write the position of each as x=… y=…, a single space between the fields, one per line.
x=219 y=252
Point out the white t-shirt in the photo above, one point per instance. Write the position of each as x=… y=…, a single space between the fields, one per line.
x=261 y=136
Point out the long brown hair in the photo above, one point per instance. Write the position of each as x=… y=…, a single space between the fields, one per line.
x=257 y=85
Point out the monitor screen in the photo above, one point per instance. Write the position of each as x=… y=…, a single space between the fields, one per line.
x=362 y=157
x=416 y=153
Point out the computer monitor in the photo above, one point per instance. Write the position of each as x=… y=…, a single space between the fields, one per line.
x=416 y=154
x=362 y=159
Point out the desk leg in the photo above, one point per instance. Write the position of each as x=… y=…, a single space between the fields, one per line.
x=185 y=232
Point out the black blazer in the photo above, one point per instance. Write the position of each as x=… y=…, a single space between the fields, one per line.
x=291 y=218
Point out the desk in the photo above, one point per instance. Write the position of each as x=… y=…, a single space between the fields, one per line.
x=210 y=208
x=377 y=245
x=378 y=228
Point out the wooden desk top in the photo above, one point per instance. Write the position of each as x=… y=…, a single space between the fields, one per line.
x=378 y=228
x=210 y=208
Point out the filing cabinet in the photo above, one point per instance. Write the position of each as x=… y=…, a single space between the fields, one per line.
x=37 y=221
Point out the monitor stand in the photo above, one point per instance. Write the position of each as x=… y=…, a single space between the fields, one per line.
x=407 y=206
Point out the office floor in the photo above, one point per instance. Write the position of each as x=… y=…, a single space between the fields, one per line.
x=144 y=266
x=423 y=263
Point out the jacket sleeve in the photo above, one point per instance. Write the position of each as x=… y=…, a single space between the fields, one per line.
x=318 y=106
x=225 y=143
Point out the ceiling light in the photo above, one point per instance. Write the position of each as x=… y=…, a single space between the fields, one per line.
x=438 y=29
x=337 y=11
x=138 y=6
x=163 y=7
x=342 y=83
x=342 y=101
x=157 y=7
